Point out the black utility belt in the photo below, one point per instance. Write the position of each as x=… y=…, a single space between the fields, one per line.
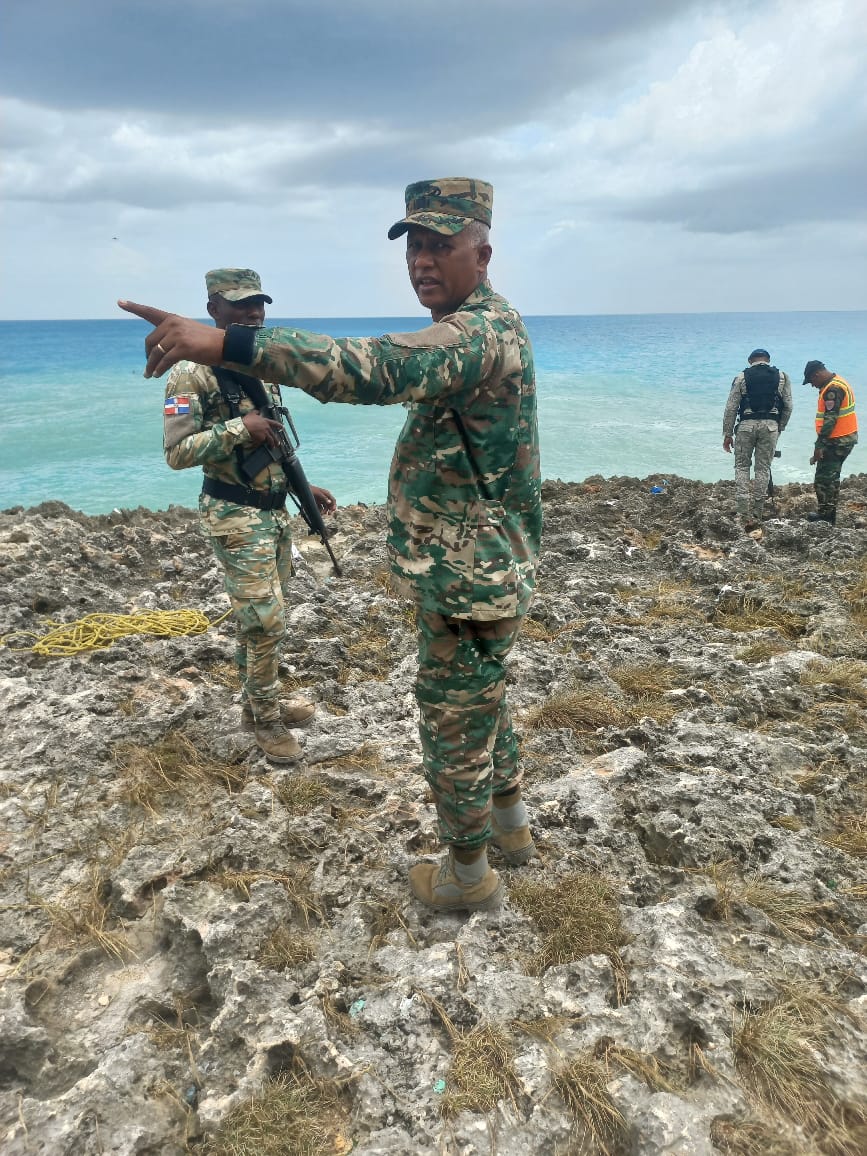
x=241 y=496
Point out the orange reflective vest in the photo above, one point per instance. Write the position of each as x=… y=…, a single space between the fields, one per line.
x=847 y=422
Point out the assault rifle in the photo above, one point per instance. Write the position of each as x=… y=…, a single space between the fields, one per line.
x=232 y=386
x=284 y=453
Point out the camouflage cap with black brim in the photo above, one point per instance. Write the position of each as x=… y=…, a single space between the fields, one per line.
x=445 y=206
x=235 y=284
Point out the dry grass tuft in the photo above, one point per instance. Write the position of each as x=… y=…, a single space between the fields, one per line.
x=285 y=949
x=789 y=909
x=743 y=612
x=761 y=651
x=851 y=837
x=175 y=765
x=723 y=874
x=365 y=758
x=753 y=1138
x=537 y=631
x=83 y=916
x=300 y=794
x=840 y=679
x=855 y=596
x=779 y=1052
x=669 y=600
x=792 y=911
x=292 y=1115
x=582 y=1084
x=545 y=1028
x=646 y=678
x=481 y=1073
x=296 y=882
x=578 y=916
x=658 y=1077
x=368 y=648
x=583 y=709
x=337 y=1017
x=482 y=1070
x=170 y=1030
x=787 y=822
x=385 y=918
x=225 y=674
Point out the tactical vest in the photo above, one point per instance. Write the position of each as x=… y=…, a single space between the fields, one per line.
x=762 y=400
x=847 y=422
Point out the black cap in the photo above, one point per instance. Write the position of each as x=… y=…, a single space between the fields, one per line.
x=759 y=353
x=810 y=368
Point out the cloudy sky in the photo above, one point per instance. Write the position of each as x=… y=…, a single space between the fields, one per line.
x=646 y=155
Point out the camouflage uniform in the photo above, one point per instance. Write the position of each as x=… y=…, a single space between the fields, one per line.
x=253 y=546
x=463 y=531
x=755 y=442
x=834 y=450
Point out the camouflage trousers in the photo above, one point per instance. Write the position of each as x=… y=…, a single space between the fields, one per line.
x=759 y=439
x=468 y=745
x=827 y=480
x=257 y=562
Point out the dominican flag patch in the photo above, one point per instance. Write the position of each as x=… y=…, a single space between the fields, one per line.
x=176 y=405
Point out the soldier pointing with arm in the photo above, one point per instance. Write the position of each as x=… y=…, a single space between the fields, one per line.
x=464 y=506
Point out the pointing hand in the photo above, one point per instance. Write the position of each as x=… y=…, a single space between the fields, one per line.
x=176 y=339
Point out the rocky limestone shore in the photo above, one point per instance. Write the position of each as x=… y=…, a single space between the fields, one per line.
x=200 y=952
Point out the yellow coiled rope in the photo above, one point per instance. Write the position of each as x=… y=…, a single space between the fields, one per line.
x=96 y=631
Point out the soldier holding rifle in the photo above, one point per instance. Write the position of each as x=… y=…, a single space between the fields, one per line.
x=214 y=418
x=464 y=506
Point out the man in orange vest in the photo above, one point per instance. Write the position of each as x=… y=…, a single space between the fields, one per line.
x=836 y=435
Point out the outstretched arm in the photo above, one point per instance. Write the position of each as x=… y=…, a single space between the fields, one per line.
x=176 y=339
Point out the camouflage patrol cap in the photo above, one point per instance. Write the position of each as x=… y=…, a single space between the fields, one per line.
x=235 y=284
x=446 y=205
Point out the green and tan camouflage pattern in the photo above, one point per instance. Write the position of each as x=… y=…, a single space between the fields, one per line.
x=208 y=436
x=235 y=284
x=257 y=564
x=452 y=550
x=445 y=205
x=828 y=469
x=254 y=547
x=469 y=748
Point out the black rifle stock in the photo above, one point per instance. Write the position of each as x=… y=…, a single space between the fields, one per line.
x=299 y=488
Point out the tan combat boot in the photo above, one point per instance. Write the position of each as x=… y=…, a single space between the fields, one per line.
x=278 y=744
x=437 y=885
x=294 y=713
x=516 y=846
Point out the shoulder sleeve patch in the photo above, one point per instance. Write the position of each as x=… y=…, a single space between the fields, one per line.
x=832 y=400
x=179 y=419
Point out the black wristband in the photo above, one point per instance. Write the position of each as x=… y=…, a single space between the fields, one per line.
x=239 y=344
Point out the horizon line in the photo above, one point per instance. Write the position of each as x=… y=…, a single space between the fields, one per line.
x=423 y=317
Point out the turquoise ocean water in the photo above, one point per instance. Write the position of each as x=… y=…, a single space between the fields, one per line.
x=618 y=395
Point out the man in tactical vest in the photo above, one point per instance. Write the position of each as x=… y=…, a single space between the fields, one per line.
x=836 y=436
x=212 y=419
x=760 y=400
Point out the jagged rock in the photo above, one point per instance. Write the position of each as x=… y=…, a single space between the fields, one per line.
x=181 y=921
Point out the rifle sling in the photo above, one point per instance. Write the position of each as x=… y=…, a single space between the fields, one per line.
x=233 y=386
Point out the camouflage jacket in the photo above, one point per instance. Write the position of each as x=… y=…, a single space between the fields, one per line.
x=199 y=430
x=463 y=534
